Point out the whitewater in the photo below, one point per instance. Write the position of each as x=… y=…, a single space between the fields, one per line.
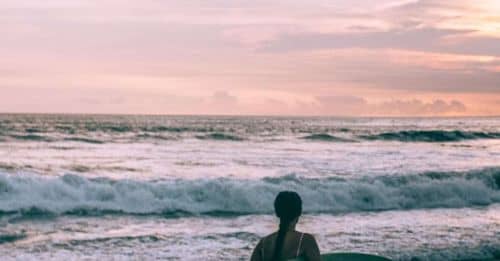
x=201 y=187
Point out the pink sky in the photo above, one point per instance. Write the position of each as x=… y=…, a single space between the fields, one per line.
x=282 y=57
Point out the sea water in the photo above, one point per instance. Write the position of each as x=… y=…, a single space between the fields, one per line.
x=202 y=188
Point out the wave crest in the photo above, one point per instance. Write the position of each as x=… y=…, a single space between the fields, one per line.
x=324 y=137
x=73 y=194
x=432 y=136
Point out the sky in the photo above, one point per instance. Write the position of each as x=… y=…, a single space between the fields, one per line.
x=259 y=57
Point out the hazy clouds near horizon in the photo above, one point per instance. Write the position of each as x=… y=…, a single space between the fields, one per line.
x=356 y=57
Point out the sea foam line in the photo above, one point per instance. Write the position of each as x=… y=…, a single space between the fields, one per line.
x=73 y=194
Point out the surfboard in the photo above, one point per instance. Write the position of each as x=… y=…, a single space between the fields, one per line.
x=348 y=257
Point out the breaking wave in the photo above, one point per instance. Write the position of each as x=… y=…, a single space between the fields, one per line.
x=432 y=136
x=72 y=194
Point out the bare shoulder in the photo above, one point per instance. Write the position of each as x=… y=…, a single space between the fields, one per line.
x=309 y=237
x=310 y=248
x=268 y=238
x=272 y=235
x=309 y=240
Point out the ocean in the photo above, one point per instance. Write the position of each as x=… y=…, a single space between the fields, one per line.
x=98 y=187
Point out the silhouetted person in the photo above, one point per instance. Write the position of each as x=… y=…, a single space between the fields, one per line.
x=287 y=243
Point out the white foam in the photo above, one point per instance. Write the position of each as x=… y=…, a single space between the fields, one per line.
x=71 y=193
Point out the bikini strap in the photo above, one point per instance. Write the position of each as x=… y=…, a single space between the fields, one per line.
x=300 y=244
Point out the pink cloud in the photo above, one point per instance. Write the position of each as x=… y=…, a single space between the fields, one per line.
x=249 y=57
x=352 y=105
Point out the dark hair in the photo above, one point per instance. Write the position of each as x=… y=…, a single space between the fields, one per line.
x=288 y=206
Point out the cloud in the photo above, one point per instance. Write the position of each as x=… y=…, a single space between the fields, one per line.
x=421 y=25
x=385 y=69
x=353 y=105
x=427 y=11
x=221 y=102
x=223 y=98
x=172 y=56
x=418 y=39
x=417 y=107
x=396 y=38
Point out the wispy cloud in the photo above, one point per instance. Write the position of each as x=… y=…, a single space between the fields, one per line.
x=352 y=105
x=248 y=57
x=414 y=39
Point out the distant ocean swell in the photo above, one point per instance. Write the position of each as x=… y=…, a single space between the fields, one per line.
x=401 y=136
x=432 y=136
x=325 y=137
x=71 y=194
x=411 y=136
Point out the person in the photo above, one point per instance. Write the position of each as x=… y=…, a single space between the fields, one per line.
x=287 y=243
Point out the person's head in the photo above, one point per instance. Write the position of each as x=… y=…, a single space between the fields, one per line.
x=288 y=207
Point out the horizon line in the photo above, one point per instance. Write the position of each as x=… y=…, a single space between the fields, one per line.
x=248 y=115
